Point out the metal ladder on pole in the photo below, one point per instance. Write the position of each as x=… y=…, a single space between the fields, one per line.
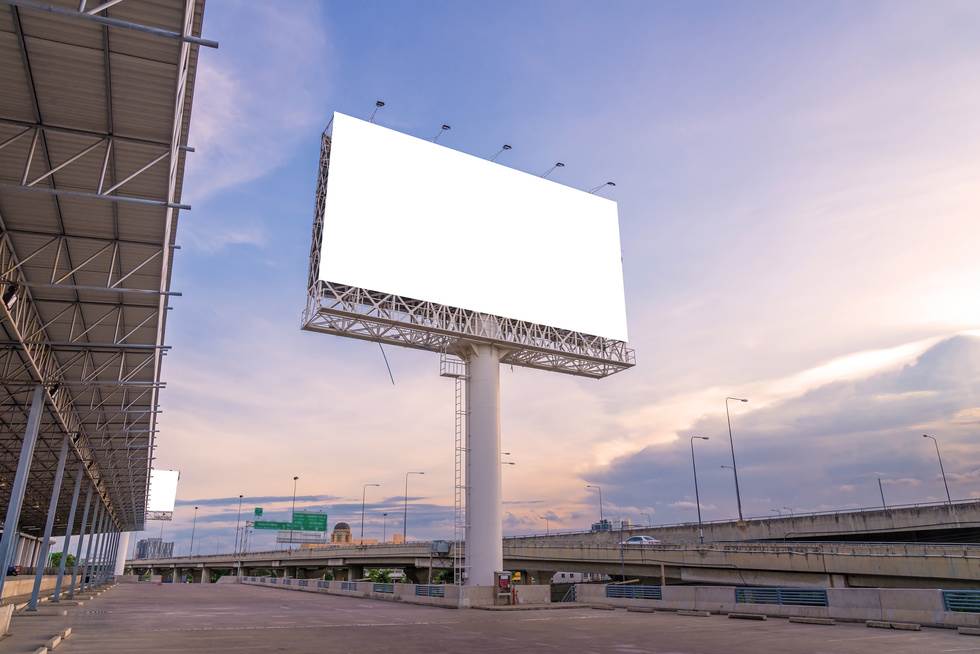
x=454 y=367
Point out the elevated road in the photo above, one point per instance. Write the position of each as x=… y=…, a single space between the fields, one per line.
x=841 y=564
x=958 y=522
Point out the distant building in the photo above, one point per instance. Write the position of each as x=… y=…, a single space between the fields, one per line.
x=341 y=533
x=154 y=548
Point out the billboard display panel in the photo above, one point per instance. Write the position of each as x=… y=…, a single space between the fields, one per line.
x=412 y=218
x=163 y=494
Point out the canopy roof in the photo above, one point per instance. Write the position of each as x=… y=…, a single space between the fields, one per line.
x=95 y=105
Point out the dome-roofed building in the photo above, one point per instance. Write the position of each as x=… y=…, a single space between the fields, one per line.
x=341 y=533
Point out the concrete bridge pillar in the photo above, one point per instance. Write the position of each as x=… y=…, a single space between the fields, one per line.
x=205 y=575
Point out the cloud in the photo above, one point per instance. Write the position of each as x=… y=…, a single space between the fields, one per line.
x=211 y=238
x=902 y=481
x=688 y=504
x=253 y=101
x=825 y=447
x=252 y=500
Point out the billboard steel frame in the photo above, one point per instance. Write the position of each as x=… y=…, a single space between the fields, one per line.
x=354 y=312
x=481 y=342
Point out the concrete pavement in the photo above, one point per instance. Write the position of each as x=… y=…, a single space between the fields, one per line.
x=151 y=619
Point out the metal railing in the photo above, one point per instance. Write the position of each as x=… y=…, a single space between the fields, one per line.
x=622 y=591
x=788 y=596
x=962 y=601
x=348 y=585
x=430 y=590
x=384 y=588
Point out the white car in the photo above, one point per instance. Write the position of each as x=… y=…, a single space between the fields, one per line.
x=640 y=540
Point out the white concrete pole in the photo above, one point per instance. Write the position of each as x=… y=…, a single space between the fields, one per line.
x=484 y=545
x=121 y=552
x=19 y=556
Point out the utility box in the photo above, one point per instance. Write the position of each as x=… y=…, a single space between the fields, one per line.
x=503 y=589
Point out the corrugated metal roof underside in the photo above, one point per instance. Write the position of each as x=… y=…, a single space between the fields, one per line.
x=70 y=86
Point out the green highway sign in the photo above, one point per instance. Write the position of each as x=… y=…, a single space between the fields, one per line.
x=258 y=512
x=301 y=522
x=309 y=521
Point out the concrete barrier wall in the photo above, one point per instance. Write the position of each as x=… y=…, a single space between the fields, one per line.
x=921 y=606
x=532 y=594
x=24 y=584
x=454 y=596
x=6 y=612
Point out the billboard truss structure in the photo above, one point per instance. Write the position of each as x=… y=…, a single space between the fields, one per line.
x=354 y=312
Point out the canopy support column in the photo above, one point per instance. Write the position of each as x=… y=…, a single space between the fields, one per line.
x=12 y=518
x=65 y=549
x=42 y=559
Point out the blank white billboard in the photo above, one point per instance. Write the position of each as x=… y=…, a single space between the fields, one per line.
x=412 y=218
x=163 y=494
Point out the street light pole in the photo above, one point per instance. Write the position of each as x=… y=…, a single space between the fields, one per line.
x=193 y=529
x=547 y=524
x=363 y=496
x=238 y=522
x=384 y=528
x=292 y=515
x=405 y=514
x=881 y=489
x=599 y=488
x=697 y=495
x=731 y=440
x=949 y=500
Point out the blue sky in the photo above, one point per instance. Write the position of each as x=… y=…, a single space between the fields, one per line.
x=798 y=200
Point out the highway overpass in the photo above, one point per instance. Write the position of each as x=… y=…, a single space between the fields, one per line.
x=836 y=565
x=956 y=522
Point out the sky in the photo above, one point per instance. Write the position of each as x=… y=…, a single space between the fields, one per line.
x=798 y=206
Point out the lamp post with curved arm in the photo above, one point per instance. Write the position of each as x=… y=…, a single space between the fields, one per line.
x=949 y=500
x=738 y=494
x=598 y=488
x=405 y=515
x=697 y=495
x=363 y=496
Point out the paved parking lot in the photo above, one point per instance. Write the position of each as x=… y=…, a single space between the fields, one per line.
x=151 y=619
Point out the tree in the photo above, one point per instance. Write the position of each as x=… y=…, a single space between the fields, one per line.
x=379 y=575
x=55 y=560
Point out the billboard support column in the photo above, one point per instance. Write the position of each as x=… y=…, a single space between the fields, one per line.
x=484 y=544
